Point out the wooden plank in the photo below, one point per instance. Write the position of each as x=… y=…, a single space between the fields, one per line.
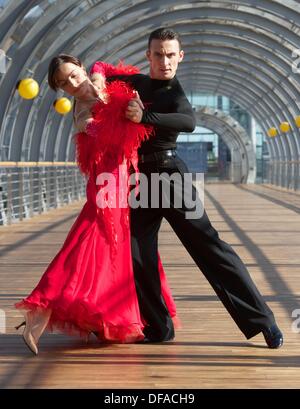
x=209 y=351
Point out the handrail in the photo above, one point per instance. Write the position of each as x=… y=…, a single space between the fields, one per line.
x=30 y=164
x=29 y=188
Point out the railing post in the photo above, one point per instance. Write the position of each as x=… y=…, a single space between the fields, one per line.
x=40 y=193
x=48 y=187
x=31 y=188
x=31 y=191
x=21 y=192
x=9 y=198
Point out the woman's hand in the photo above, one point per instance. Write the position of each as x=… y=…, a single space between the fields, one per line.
x=134 y=111
x=98 y=83
x=98 y=80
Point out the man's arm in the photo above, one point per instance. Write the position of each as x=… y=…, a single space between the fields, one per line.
x=182 y=120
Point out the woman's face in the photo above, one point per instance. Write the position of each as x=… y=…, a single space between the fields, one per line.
x=73 y=80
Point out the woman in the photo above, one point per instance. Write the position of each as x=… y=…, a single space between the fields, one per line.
x=89 y=285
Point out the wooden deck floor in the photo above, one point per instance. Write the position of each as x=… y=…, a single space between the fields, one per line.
x=263 y=226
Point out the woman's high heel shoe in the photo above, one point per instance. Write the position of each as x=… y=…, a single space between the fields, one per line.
x=35 y=325
x=28 y=338
x=20 y=325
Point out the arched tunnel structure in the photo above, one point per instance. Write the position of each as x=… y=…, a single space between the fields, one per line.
x=243 y=161
x=243 y=50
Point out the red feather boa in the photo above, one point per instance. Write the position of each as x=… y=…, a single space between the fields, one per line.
x=109 y=70
x=110 y=133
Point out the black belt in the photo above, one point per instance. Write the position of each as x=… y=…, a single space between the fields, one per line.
x=152 y=157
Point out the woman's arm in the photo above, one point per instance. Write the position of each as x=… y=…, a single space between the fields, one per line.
x=82 y=115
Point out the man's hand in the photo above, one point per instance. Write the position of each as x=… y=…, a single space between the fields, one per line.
x=134 y=111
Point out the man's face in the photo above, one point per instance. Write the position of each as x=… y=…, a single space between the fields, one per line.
x=164 y=57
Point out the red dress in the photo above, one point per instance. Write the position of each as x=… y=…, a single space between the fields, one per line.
x=89 y=285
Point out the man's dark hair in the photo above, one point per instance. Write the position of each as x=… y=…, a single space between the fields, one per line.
x=164 y=33
x=55 y=63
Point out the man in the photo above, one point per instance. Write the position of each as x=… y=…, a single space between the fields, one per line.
x=162 y=103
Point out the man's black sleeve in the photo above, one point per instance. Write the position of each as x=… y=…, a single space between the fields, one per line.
x=182 y=120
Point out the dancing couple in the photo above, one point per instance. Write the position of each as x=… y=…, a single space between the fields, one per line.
x=108 y=278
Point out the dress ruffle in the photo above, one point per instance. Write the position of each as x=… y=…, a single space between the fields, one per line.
x=80 y=320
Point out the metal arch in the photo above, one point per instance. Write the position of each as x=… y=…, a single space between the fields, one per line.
x=200 y=61
x=261 y=6
x=12 y=15
x=228 y=13
x=233 y=52
x=188 y=74
x=248 y=105
x=60 y=17
x=274 y=96
x=13 y=19
x=7 y=91
x=245 y=92
x=245 y=97
x=235 y=137
x=237 y=31
x=292 y=89
x=259 y=113
x=200 y=7
x=193 y=22
x=278 y=177
x=287 y=96
x=284 y=91
x=36 y=39
x=244 y=132
x=296 y=146
x=242 y=100
x=143 y=3
x=52 y=128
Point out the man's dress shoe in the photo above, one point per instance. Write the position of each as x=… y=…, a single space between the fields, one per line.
x=147 y=340
x=273 y=337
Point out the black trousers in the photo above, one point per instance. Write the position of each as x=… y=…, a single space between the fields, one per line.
x=219 y=263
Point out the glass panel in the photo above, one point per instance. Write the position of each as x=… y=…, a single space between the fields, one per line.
x=33 y=14
x=3 y=3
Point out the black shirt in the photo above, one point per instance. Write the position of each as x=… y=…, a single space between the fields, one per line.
x=166 y=107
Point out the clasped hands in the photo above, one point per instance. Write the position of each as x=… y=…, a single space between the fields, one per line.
x=134 y=111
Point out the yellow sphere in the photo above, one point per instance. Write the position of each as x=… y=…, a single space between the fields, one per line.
x=297 y=121
x=272 y=132
x=284 y=126
x=28 y=88
x=63 y=105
